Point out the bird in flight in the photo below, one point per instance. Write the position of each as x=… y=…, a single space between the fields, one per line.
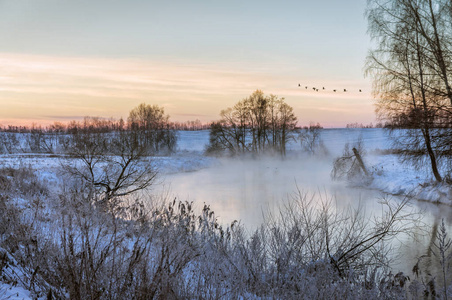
x=323 y=89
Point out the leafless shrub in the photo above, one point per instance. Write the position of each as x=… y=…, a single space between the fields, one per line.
x=432 y=270
x=350 y=165
x=21 y=216
x=310 y=250
x=9 y=143
x=22 y=181
x=311 y=141
x=102 y=256
x=9 y=218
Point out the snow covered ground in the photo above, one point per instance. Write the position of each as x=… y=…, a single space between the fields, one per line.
x=390 y=175
x=11 y=292
x=195 y=177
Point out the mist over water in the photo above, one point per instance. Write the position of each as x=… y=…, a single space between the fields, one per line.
x=245 y=189
x=248 y=189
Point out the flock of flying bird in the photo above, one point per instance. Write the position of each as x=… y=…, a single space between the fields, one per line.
x=323 y=88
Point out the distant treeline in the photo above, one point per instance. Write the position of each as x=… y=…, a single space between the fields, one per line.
x=147 y=128
x=361 y=125
x=98 y=124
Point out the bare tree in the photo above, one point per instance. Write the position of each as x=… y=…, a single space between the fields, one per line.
x=151 y=123
x=411 y=70
x=256 y=124
x=112 y=165
x=286 y=125
x=350 y=165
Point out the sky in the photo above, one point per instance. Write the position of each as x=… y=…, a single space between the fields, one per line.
x=62 y=60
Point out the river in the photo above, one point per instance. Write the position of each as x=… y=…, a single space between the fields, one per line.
x=248 y=190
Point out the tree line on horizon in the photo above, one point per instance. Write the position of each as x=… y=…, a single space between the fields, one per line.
x=147 y=125
x=99 y=123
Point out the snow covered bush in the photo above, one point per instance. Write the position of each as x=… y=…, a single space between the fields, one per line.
x=310 y=251
x=432 y=270
x=22 y=205
x=350 y=165
x=104 y=256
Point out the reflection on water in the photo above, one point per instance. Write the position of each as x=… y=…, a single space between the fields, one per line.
x=246 y=190
x=240 y=189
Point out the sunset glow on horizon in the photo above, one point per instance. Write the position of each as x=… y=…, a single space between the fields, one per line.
x=43 y=80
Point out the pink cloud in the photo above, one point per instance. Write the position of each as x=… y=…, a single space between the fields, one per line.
x=33 y=86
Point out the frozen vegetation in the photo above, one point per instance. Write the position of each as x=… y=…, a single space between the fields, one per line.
x=178 y=238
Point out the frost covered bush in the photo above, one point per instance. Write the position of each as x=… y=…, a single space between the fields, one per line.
x=309 y=251
x=105 y=256
x=22 y=196
x=432 y=270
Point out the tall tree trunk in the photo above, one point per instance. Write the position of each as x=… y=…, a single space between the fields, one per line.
x=425 y=124
x=431 y=154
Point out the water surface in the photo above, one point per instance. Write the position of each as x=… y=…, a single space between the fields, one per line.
x=249 y=189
